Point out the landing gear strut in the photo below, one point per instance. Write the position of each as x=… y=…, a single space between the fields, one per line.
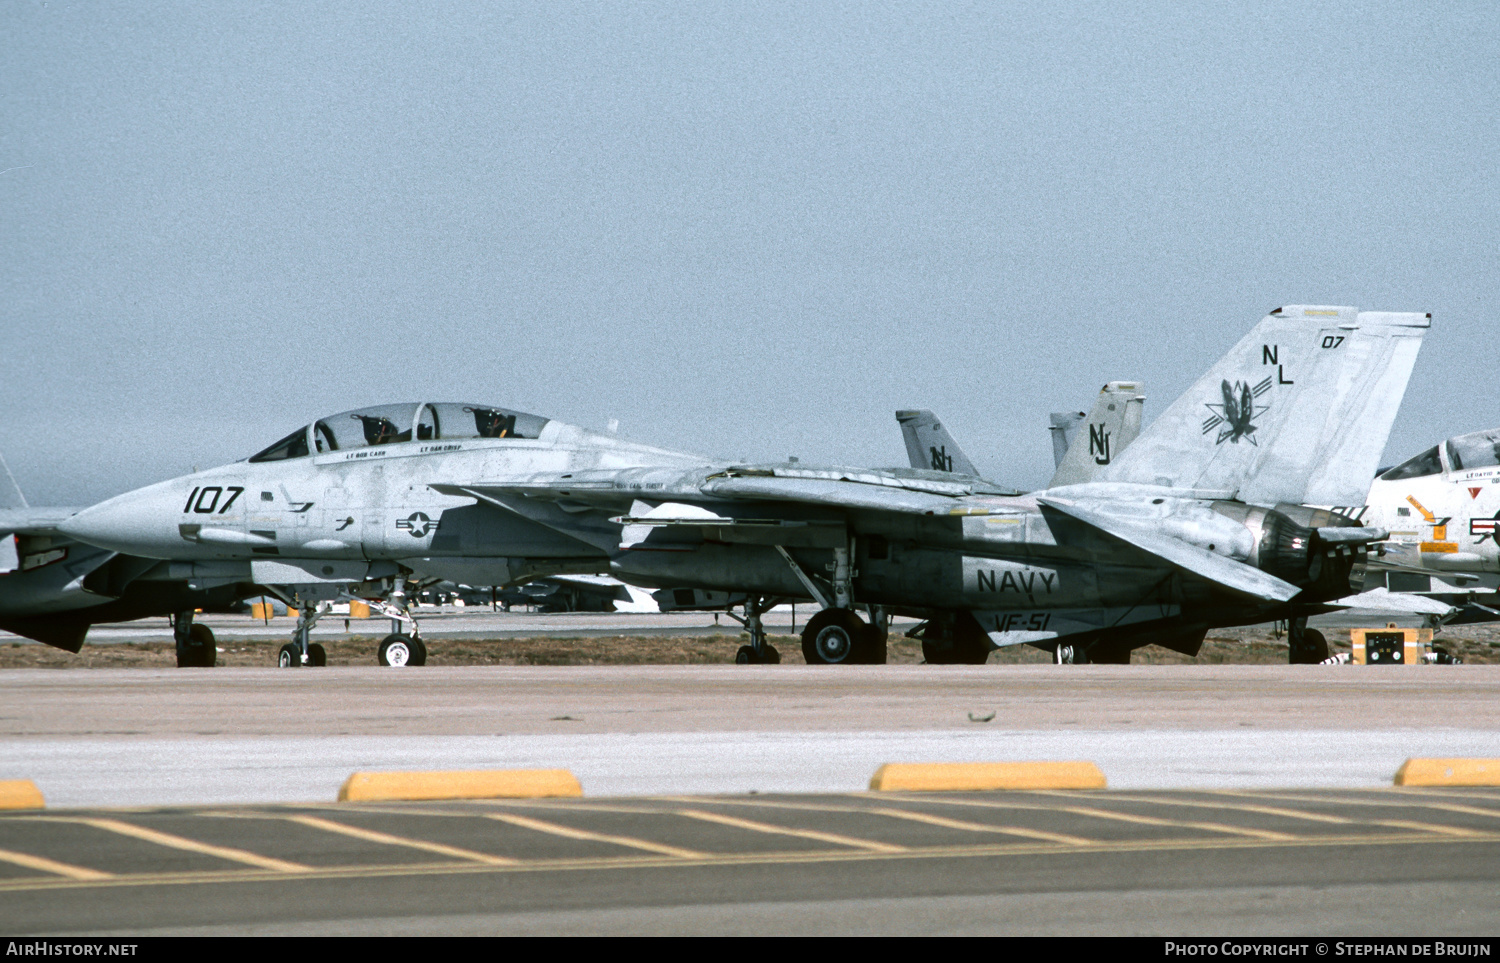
x=399 y=648
x=759 y=651
x=195 y=642
x=300 y=651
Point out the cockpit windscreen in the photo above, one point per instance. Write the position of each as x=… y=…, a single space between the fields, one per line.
x=394 y=424
x=1427 y=463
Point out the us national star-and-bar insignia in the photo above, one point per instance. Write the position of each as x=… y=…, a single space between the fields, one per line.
x=1484 y=528
x=1235 y=415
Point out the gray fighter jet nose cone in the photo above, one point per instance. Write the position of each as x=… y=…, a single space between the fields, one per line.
x=137 y=523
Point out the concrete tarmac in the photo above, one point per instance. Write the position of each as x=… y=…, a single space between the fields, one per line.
x=175 y=736
x=1393 y=863
x=1314 y=739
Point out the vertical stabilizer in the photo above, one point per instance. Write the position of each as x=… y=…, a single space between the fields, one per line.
x=928 y=444
x=1114 y=423
x=1063 y=427
x=1298 y=411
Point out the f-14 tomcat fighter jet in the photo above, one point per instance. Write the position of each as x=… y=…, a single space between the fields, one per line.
x=1442 y=508
x=345 y=508
x=1203 y=521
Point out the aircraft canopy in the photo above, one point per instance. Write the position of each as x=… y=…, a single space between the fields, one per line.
x=397 y=424
x=1481 y=449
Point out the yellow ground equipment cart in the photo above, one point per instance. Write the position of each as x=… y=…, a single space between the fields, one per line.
x=1393 y=646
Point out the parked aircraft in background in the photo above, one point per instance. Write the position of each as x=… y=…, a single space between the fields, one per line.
x=1113 y=424
x=1442 y=509
x=1203 y=521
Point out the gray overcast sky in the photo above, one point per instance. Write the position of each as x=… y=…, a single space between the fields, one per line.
x=747 y=230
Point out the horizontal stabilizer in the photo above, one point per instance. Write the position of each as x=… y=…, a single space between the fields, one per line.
x=1402 y=603
x=1205 y=564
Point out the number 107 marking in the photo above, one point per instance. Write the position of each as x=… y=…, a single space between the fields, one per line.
x=200 y=502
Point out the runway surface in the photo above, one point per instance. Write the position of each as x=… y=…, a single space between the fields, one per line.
x=1106 y=863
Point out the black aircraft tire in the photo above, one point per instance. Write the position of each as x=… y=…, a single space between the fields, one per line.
x=1315 y=645
x=836 y=637
x=1313 y=650
x=746 y=656
x=418 y=652
x=395 y=650
x=770 y=655
x=201 y=651
x=955 y=653
x=316 y=654
x=935 y=654
x=289 y=656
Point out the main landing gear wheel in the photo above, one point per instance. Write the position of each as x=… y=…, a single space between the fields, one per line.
x=316 y=654
x=1304 y=646
x=290 y=656
x=200 y=651
x=398 y=650
x=1313 y=650
x=748 y=656
x=956 y=641
x=836 y=637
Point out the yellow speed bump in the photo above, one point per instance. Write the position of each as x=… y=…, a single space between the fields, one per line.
x=1449 y=772
x=476 y=784
x=975 y=776
x=20 y=794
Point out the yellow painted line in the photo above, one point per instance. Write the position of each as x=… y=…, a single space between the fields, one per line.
x=1428 y=827
x=1384 y=797
x=470 y=784
x=766 y=804
x=542 y=826
x=190 y=845
x=1443 y=794
x=821 y=837
x=1176 y=823
x=982 y=776
x=46 y=865
x=1449 y=772
x=416 y=870
x=982 y=827
x=20 y=794
x=372 y=836
x=1455 y=808
x=1238 y=807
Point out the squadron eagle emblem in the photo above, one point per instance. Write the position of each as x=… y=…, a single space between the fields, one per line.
x=1235 y=415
